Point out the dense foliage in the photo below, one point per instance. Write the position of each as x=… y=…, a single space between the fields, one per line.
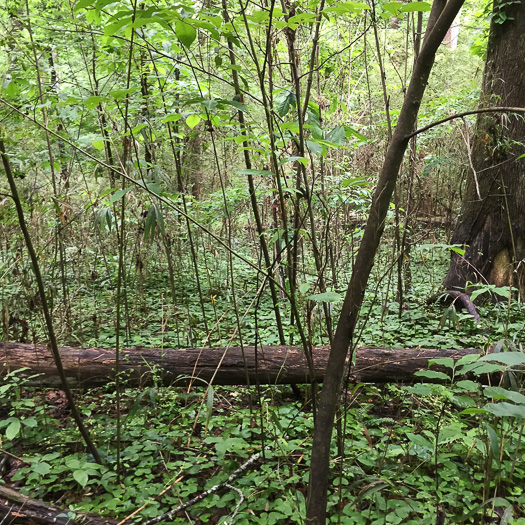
x=199 y=174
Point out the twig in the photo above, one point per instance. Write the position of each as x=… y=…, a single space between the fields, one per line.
x=202 y=495
x=134 y=513
x=241 y=499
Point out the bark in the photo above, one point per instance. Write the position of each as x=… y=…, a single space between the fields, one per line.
x=491 y=227
x=440 y=19
x=23 y=510
x=94 y=367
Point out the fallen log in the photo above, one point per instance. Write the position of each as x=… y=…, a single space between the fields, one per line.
x=92 y=367
x=20 y=509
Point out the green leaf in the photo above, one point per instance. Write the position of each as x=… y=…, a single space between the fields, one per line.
x=119 y=194
x=447 y=362
x=415 y=6
x=432 y=374
x=498 y=392
x=356 y=181
x=263 y=173
x=302 y=160
x=346 y=7
x=304 y=287
x=283 y=101
x=98 y=144
x=494 y=442
x=467 y=386
x=337 y=136
x=192 y=120
x=81 y=477
x=41 y=468
x=505 y=409
x=326 y=297
x=316 y=148
x=92 y=102
x=185 y=33
x=171 y=118
x=506 y=358
x=13 y=428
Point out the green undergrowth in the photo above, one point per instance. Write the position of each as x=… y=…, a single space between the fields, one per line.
x=400 y=454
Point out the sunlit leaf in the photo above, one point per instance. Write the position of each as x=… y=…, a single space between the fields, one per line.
x=192 y=120
x=326 y=297
x=185 y=33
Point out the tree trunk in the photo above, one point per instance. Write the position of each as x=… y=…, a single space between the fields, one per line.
x=440 y=19
x=20 y=509
x=94 y=367
x=491 y=227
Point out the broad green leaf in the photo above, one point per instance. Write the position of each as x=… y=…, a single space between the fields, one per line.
x=304 y=287
x=118 y=94
x=98 y=144
x=419 y=440
x=507 y=358
x=119 y=194
x=13 y=428
x=467 y=359
x=356 y=181
x=457 y=249
x=316 y=148
x=289 y=126
x=415 y=6
x=421 y=389
x=154 y=187
x=41 y=468
x=138 y=128
x=448 y=362
x=496 y=392
x=337 y=136
x=209 y=104
x=467 y=385
x=505 y=409
x=92 y=102
x=236 y=104
x=171 y=118
x=302 y=160
x=346 y=7
x=185 y=33
x=326 y=297
x=283 y=101
x=351 y=132
x=432 y=374
x=81 y=477
x=30 y=422
x=111 y=29
x=192 y=120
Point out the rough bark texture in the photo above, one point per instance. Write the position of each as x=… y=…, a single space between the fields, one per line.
x=491 y=225
x=440 y=19
x=16 y=508
x=93 y=367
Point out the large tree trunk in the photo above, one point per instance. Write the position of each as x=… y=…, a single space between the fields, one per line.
x=491 y=226
x=269 y=365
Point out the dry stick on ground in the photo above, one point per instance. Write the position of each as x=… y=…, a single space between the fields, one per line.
x=225 y=484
